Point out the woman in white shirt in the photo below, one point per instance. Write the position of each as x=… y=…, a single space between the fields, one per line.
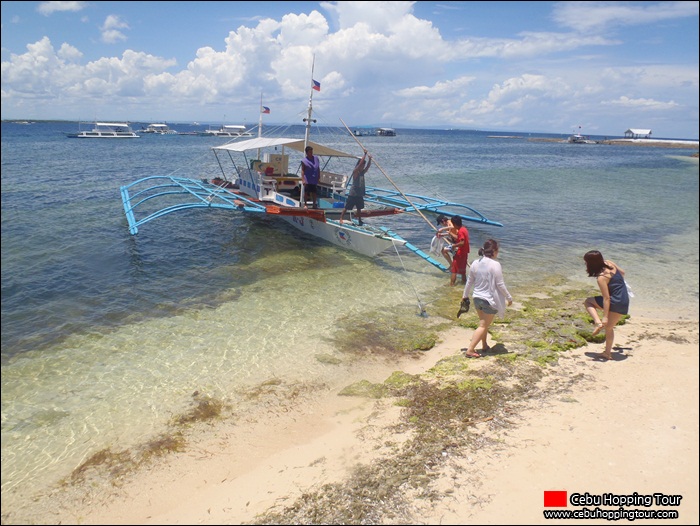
x=490 y=294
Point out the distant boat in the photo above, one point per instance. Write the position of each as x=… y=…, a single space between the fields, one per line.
x=359 y=132
x=386 y=132
x=160 y=129
x=577 y=138
x=228 y=130
x=107 y=130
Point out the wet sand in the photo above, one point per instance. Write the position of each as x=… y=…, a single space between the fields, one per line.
x=623 y=426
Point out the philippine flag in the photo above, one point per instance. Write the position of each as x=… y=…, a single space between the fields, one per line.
x=317 y=85
x=265 y=109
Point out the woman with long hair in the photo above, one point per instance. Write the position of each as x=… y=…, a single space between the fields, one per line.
x=614 y=300
x=490 y=294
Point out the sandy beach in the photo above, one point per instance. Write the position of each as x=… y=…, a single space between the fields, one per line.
x=619 y=427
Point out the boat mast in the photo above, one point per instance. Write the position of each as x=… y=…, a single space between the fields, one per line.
x=308 y=120
x=260 y=125
x=260 y=121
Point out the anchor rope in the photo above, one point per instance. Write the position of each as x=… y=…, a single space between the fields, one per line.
x=421 y=305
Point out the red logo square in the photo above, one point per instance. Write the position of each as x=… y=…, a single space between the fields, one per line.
x=555 y=499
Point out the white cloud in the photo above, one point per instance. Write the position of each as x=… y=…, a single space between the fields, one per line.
x=69 y=53
x=111 y=29
x=595 y=16
x=642 y=104
x=375 y=61
x=441 y=89
x=48 y=8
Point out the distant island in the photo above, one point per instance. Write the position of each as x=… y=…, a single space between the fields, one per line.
x=658 y=143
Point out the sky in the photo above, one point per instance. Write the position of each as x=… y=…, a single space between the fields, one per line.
x=596 y=68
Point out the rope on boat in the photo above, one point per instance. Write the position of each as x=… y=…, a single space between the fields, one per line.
x=376 y=163
x=421 y=306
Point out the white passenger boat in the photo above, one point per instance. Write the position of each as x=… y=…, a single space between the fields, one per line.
x=107 y=130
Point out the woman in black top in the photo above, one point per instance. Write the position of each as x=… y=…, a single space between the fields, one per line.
x=614 y=300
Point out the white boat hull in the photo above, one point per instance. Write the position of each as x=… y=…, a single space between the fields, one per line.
x=107 y=130
x=225 y=134
x=346 y=236
x=93 y=135
x=363 y=240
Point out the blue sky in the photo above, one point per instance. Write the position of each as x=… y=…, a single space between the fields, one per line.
x=546 y=67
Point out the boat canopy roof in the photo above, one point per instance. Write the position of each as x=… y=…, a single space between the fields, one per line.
x=294 y=144
x=124 y=124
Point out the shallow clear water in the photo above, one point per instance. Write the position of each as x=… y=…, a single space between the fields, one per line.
x=106 y=335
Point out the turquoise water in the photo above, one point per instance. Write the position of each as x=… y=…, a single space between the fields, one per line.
x=106 y=335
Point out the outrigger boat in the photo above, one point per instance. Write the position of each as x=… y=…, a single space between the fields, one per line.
x=228 y=130
x=159 y=129
x=257 y=179
x=107 y=130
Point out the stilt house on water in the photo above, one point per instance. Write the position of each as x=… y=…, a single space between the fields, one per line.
x=636 y=133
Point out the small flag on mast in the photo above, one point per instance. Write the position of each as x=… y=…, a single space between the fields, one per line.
x=317 y=85
x=265 y=109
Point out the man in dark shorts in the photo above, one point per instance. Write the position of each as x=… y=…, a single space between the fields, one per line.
x=310 y=175
x=356 y=195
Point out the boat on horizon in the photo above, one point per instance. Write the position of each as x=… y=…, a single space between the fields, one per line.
x=107 y=130
x=362 y=132
x=159 y=129
x=577 y=138
x=228 y=130
x=261 y=177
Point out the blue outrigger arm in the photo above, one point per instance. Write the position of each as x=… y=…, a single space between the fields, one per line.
x=415 y=249
x=386 y=197
x=202 y=194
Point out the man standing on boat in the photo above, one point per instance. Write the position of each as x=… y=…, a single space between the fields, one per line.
x=310 y=175
x=356 y=195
